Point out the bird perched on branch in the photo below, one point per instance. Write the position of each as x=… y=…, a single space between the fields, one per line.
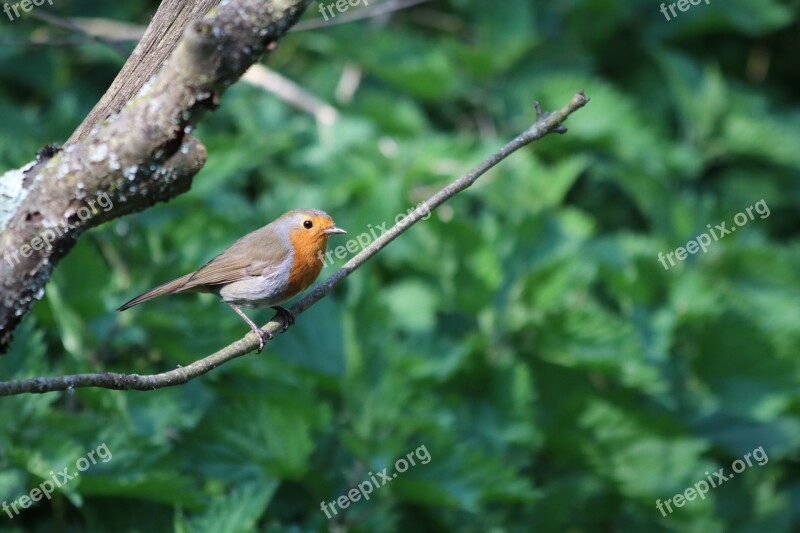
x=263 y=268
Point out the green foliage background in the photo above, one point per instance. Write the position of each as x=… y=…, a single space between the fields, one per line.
x=526 y=334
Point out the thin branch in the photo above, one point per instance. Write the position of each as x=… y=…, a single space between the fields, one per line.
x=73 y=40
x=375 y=10
x=94 y=33
x=545 y=123
x=290 y=92
x=113 y=30
x=60 y=22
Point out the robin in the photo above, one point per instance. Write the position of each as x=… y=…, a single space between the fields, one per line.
x=263 y=268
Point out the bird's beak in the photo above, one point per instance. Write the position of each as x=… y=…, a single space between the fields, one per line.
x=333 y=230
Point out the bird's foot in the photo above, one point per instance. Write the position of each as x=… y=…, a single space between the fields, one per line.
x=286 y=316
x=263 y=337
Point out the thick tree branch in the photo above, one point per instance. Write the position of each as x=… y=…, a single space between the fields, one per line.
x=156 y=45
x=132 y=160
x=545 y=123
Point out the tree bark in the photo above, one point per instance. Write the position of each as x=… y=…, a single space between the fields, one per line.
x=155 y=47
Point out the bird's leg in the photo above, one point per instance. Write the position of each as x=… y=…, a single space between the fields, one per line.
x=286 y=315
x=263 y=336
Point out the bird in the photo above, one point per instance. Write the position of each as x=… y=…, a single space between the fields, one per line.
x=264 y=268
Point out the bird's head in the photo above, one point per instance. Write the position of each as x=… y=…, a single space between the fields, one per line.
x=309 y=230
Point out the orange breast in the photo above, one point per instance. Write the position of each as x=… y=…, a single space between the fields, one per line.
x=309 y=250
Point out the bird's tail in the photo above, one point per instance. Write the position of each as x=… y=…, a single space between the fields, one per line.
x=167 y=288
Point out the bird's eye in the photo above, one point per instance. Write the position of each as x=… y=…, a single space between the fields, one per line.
x=308 y=224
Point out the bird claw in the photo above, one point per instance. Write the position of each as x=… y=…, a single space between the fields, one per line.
x=263 y=337
x=286 y=316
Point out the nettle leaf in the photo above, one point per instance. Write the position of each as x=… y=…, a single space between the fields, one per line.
x=412 y=305
x=592 y=339
x=737 y=435
x=465 y=479
x=760 y=133
x=412 y=63
x=638 y=454
x=755 y=17
x=519 y=35
x=237 y=511
x=736 y=360
x=268 y=433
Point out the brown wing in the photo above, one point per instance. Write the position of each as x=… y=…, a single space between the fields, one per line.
x=247 y=257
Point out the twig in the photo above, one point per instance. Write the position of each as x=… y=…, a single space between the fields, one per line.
x=67 y=24
x=375 y=10
x=545 y=123
x=73 y=40
x=92 y=33
x=291 y=93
